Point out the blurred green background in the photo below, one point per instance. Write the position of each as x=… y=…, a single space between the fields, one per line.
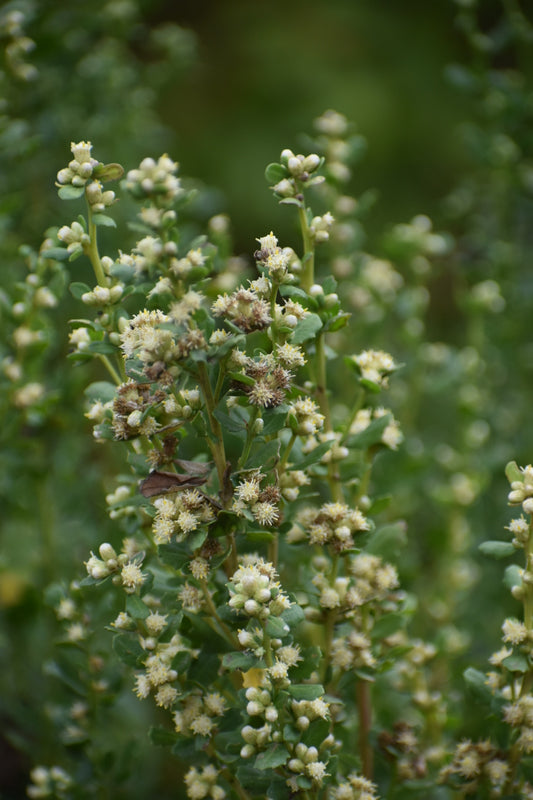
x=223 y=86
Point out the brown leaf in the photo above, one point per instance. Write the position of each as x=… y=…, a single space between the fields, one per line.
x=159 y=482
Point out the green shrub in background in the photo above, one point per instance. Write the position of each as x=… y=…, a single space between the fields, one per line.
x=461 y=397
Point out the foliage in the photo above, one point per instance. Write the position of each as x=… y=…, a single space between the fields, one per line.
x=294 y=585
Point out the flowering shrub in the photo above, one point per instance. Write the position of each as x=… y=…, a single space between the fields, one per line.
x=284 y=594
x=257 y=602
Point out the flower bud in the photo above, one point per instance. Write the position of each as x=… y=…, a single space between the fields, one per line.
x=252 y=607
x=285 y=188
x=271 y=714
x=311 y=162
x=295 y=765
x=258 y=426
x=254 y=708
x=527 y=505
x=107 y=551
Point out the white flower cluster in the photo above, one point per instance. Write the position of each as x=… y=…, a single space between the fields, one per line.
x=334 y=129
x=103 y=295
x=202 y=783
x=478 y=763
x=255 y=591
x=306 y=762
x=49 y=782
x=333 y=523
x=522 y=490
x=375 y=366
x=262 y=503
x=520 y=529
x=179 y=514
x=81 y=168
x=97 y=198
x=74 y=236
x=144 y=338
x=391 y=436
x=275 y=259
x=158 y=675
x=198 y=715
x=155 y=179
x=354 y=787
x=320 y=227
x=126 y=572
x=307 y=417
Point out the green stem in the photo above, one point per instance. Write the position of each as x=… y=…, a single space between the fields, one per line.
x=214 y=613
x=321 y=381
x=273 y=549
x=249 y=437
x=308 y=262
x=220 y=379
x=528 y=598
x=216 y=445
x=356 y=407
x=110 y=368
x=364 y=711
x=286 y=454
x=268 y=648
x=92 y=250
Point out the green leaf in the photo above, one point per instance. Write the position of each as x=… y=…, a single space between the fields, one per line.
x=274 y=173
x=278 y=788
x=338 y=322
x=108 y=172
x=387 y=625
x=310 y=662
x=306 y=329
x=316 y=733
x=264 y=455
x=181 y=662
x=77 y=289
x=253 y=780
x=293 y=615
x=512 y=576
x=388 y=541
x=244 y=661
x=197 y=538
x=512 y=472
x=274 y=756
x=312 y=457
x=162 y=737
x=476 y=682
x=57 y=253
x=136 y=608
x=260 y=536
x=294 y=291
x=370 y=435
x=102 y=348
x=291 y=201
x=329 y=284
x=516 y=663
x=70 y=192
x=123 y=272
x=274 y=420
x=277 y=628
x=231 y=424
x=306 y=691
x=497 y=549
x=104 y=221
x=62 y=673
x=128 y=649
x=100 y=390
x=174 y=554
